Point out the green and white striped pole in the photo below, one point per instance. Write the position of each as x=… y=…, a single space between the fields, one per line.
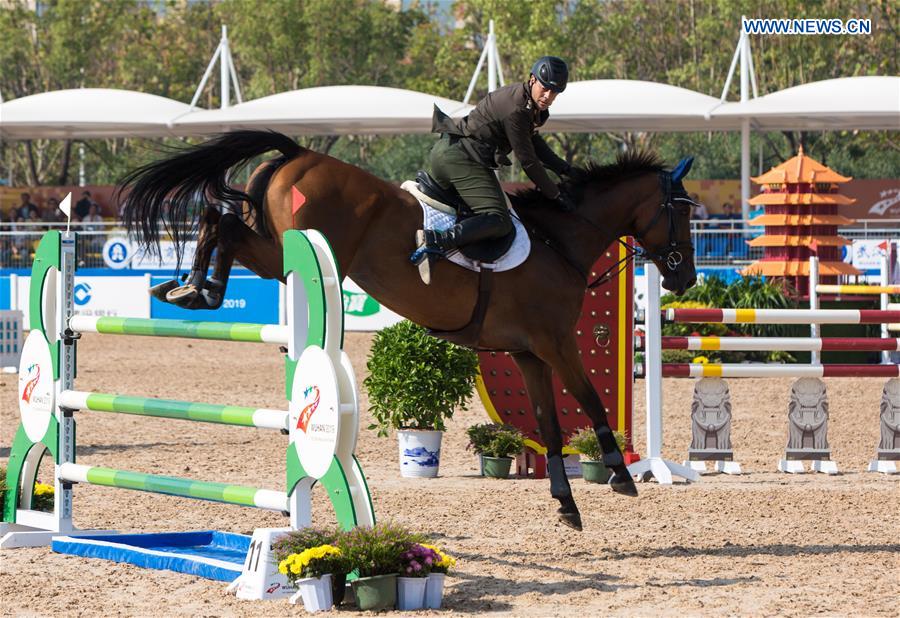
x=263 y=418
x=175 y=486
x=154 y=327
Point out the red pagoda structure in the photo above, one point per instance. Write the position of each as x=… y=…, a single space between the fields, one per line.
x=801 y=198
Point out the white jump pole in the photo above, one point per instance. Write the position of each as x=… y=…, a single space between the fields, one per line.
x=814 y=304
x=654 y=465
x=885 y=281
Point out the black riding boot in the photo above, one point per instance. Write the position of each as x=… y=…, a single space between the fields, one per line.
x=432 y=245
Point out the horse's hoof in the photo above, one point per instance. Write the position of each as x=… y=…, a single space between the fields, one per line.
x=572 y=520
x=181 y=295
x=622 y=483
x=159 y=291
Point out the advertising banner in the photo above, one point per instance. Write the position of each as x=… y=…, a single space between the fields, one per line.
x=100 y=296
x=364 y=313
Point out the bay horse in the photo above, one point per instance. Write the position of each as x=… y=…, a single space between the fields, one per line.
x=371 y=226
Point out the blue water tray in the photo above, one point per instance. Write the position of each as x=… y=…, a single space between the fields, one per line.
x=209 y=554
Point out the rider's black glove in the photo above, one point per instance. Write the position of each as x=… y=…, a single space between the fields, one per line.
x=565 y=202
x=572 y=173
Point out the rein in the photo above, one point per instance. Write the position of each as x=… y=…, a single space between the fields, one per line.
x=672 y=258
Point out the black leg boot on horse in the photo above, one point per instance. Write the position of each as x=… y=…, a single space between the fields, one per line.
x=432 y=245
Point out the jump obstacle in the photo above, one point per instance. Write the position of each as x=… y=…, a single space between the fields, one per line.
x=882 y=291
x=320 y=385
x=654 y=370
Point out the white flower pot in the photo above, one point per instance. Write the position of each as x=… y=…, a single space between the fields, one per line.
x=315 y=592
x=411 y=592
x=420 y=452
x=434 y=590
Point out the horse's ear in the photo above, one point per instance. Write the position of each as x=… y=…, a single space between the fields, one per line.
x=681 y=170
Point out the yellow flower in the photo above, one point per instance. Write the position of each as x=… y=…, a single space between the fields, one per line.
x=41 y=489
x=701 y=360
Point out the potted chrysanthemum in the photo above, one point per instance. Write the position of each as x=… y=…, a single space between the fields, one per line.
x=297 y=541
x=415 y=567
x=586 y=443
x=434 y=588
x=311 y=571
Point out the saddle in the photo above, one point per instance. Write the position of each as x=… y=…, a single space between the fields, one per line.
x=427 y=190
x=485 y=251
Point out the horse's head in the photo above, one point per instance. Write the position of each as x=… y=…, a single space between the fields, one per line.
x=663 y=228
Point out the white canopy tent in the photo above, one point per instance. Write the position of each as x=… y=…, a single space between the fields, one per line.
x=88 y=113
x=846 y=103
x=327 y=110
x=864 y=103
x=628 y=105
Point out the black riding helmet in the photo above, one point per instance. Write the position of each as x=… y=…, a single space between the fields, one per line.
x=552 y=72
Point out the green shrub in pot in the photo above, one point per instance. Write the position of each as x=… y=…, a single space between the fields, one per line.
x=585 y=442
x=415 y=383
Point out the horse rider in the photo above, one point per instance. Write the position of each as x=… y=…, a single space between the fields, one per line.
x=469 y=151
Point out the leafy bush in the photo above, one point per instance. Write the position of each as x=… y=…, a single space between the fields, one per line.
x=748 y=292
x=378 y=550
x=41 y=497
x=480 y=436
x=585 y=442
x=297 y=541
x=416 y=380
x=493 y=440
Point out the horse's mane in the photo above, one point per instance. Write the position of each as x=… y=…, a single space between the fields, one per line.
x=627 y=165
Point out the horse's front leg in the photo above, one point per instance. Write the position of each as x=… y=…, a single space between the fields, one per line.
x=566 y=363
x=539 y=382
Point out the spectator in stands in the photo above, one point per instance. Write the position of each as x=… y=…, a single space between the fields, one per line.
x=728 y=213
x=83 y=206
x=92 y=218
x=700 y=213
x=34 y=219
x=26 y=207
x=52 y=214
x=19 y=246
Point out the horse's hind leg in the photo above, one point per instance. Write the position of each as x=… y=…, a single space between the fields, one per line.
x=567 y=365
x=183 y=295
x=539 y=382
x=233 y=239
x=237 y=241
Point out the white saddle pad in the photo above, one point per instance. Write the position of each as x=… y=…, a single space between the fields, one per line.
x=518 y=252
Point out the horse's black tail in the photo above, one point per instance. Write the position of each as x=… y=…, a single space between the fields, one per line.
x=171 y=193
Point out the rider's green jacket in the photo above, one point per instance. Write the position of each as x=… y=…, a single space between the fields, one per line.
x=506 y=120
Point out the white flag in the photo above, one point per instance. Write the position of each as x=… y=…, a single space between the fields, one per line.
x=66 y=206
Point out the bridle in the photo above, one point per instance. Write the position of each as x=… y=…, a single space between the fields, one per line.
x=671 y=258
